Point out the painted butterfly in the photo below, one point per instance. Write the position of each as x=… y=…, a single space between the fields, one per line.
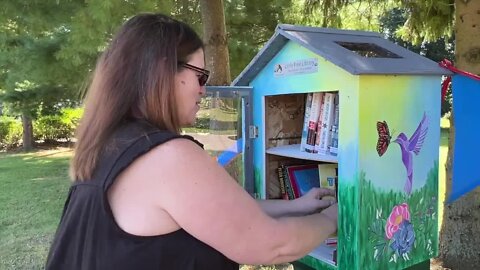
x=384 y=137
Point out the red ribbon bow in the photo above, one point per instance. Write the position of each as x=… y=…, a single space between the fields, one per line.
x=445 y=63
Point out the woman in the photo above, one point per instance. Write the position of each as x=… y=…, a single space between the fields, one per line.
x=146 y=197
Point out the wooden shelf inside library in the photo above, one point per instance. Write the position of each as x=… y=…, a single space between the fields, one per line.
x=293 y=151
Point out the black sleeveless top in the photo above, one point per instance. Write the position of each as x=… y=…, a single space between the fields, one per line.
x=88 y=237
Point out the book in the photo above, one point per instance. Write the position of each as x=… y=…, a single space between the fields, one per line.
x=328 y=178
x=288 y=185
x=331 y=241
x=303 y=178
x=325 y=134
x=321 y=115
x=285 y=181
x=308 y=106
x=327 y=175
x=313 y=122
x=281 y=181
x=333 y=147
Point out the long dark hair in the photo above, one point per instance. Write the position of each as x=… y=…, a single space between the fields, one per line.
x=134 y=77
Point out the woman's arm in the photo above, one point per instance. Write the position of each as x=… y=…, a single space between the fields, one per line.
x=199 y=195
x=310 y=203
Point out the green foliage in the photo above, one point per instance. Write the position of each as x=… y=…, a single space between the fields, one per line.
x=53 y=44
x=188 y=12
x=72 y=116
x=49 y=47
x=393 y=21
x=93 y=24
x=10 y=132
x=364 y=16
x=426 y=21
x=31 y=75
x=250 y=24
x=447 y=102
x=329 y=9
x=50 y=128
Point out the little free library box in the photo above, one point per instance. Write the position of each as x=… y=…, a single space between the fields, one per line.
x=372 y=108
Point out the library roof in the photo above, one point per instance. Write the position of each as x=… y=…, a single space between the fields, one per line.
x=357 y=52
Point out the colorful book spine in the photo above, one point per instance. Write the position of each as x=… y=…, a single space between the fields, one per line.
x=319 y=125
x=308 y=105
x=288 y=184
x=312 y=122
x=333 y=148
x=281 y=180
x=331 y=241
x=327 y=174
x=327 y=121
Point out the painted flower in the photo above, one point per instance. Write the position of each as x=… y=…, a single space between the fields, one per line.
x=403 y=239
x=399 y=214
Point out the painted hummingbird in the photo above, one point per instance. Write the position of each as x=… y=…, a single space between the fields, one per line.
x=410 y=146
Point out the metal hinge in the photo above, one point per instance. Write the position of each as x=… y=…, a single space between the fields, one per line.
x=253 y=132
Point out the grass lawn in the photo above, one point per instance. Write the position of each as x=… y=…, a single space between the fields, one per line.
x=33 y=188
x=441 y=174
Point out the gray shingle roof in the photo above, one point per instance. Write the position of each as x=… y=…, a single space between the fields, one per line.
x=357 y=52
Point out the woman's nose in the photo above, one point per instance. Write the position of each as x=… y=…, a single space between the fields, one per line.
x=203 y=90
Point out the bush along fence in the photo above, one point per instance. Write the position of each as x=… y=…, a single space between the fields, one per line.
x=46 y=128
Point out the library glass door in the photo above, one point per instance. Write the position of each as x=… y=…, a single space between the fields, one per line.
x=222 y=126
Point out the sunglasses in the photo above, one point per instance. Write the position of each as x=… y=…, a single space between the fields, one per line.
x=202 y=77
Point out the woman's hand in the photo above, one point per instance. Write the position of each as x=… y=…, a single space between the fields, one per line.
x=312 y=201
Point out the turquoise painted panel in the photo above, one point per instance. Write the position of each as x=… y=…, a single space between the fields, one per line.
x=399 y=140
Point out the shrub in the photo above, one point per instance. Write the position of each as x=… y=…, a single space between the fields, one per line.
x=72 y=116
x=51 y=128
x=10 y=132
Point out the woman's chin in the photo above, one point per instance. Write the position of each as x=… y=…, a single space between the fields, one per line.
x=189 y=124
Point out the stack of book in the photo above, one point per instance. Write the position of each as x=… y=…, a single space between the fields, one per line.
x=296 y=180
x=328 y=176
x=320 y=125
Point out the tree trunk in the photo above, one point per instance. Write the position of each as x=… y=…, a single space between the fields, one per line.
x=459 y=239
x=27 y=132
x=216 y=47
x=217 y=61
x=215 y=38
